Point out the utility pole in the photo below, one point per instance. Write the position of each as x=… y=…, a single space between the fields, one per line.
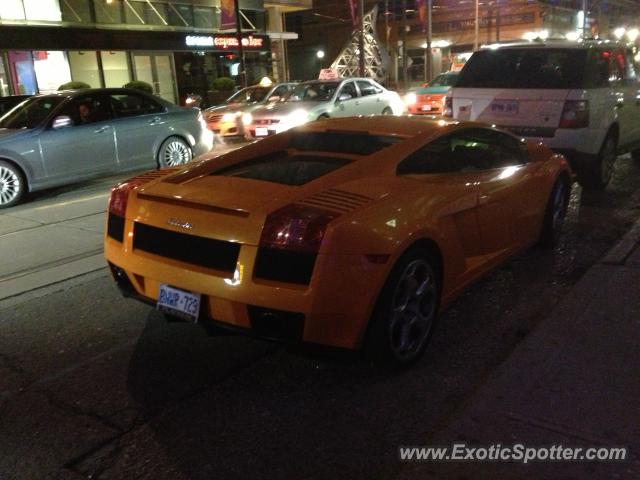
x=243 y=73
x=584 y=19
x=429 y=62
x=361 y=40
x=405 y=60
x=476 y=42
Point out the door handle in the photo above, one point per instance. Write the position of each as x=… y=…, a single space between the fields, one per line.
x=155 y=121
x=357 y=102
x=484 y=199
x=102 y=129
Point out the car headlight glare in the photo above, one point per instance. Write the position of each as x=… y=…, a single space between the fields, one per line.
x=228 y=117
x=410 y=98
x=247 y=119
x=297 y=117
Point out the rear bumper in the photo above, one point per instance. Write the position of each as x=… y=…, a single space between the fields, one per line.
x=321 y=312
x=579 y=143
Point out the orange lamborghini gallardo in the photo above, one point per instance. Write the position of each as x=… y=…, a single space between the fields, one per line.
x=348 y=232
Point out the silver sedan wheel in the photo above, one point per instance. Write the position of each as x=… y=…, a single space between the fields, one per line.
x=608 y=160
x=174 y=152
x=10 y=186
x=413 y=310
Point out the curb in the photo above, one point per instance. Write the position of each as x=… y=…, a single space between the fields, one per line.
x=625 y=246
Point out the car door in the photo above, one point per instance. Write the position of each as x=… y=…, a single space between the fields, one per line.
x=141 y=123
x=79 y=141
x=347 y=107
x=511 y=195
x=457 y=203
x=370 y=101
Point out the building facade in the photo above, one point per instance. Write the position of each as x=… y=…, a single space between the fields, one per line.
x=176 y=46
x=400 y=28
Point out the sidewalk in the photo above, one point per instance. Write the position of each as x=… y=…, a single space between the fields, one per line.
x=574 y=381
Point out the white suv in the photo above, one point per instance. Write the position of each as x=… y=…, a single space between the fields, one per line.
x=581 y=99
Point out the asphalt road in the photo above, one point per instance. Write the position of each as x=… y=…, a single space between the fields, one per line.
x=96 y=386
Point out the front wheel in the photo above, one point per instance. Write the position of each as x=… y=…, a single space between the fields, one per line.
x=387 y=111
x=12 y=185
x=406 y=311
x=597 y=175
x=174 y=152
x=555 y=214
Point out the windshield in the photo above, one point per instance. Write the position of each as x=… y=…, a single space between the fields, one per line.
x=31 y=113
x=444 y=80
x=249 y=95
x=524 y=68
x=314 y=92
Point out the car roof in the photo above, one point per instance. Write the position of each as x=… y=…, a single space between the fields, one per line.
x=403 y=126
x=82 y=91
x=554 y=43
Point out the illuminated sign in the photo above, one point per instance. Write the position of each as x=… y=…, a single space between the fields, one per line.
x=223 y=42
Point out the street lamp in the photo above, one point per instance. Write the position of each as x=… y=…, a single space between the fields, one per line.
x=320 y=54
x=619 y=32
x=633 y=34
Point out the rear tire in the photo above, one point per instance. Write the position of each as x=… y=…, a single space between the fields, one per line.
x=387 y=111
x=555 y=214
x=13 y=185
x=406 y=311
x=174 y=152
x=597 y=175
x=324 y=116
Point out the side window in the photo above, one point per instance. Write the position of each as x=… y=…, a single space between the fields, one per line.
x=471 y=150
x=617 y=66
x=348 y=88
x=366 y=88
x=632 y=70
x=129 y=105
x=88 y=109
x=280 y=91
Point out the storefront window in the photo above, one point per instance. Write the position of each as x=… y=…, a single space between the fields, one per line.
x=205 y=17
x=11 y=10
x=108 y=12
x=52 y=70
x=115 y=68
x=180 y=15
x=42 y=10
x=76 y=11
x=22 y=72
x=84 y=68
x=4 y=80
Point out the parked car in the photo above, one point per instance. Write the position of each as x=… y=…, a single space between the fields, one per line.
x=8 y=102
x=226 y=120
x=429 y=99
x=324 y=99
x=57 y=139
x=340 y=232
x=581 y=99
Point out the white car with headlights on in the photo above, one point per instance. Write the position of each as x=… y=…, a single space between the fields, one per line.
x=309 y=101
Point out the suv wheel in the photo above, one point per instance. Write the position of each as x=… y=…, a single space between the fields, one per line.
x=597 y=175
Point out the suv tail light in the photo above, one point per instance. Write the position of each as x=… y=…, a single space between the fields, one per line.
x=120 y=196
x=296 y=228
x=575 y=114
x=448 y=107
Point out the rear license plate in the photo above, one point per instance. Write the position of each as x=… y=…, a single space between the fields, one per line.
x=261 y=132
x=504 y=107
x=179 y=303
x=426 y=108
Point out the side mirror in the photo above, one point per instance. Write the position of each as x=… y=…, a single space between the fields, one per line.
x=344 y=96
x=63 y=121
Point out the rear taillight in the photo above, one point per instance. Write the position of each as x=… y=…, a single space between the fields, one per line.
x=120 y=196
x=296 y=228
x=575 y=114
x=448 y=107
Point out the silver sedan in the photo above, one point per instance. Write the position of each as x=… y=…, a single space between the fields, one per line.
x=51 y=140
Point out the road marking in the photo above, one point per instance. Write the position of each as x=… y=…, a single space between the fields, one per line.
x=70 y=202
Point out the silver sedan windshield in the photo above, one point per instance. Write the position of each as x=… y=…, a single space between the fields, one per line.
x=314 y=92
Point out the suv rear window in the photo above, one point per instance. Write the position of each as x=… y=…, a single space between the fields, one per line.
x=543 y=68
